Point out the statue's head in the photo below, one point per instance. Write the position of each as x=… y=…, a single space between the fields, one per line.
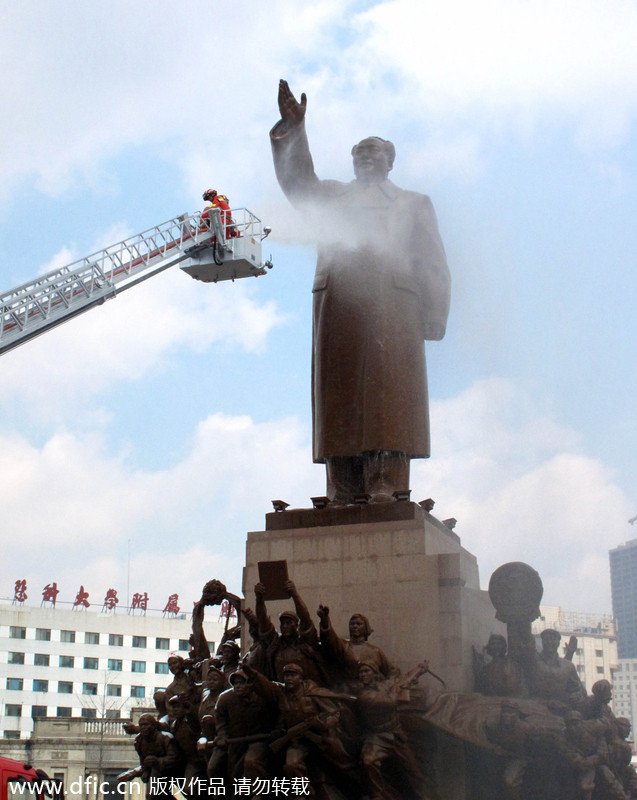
x=603 y=691
x=147 y=725
x=288 y=624
x=176 y=707
x=292 y=676
x=215 y=679
x=230 y=652
x=368 y=673
x=373 y=159
x=550 y=640
x=159 y=699
x=623 y=727
x=176 y=664
x=359 y=626
x=496 y=646
x=239 y=682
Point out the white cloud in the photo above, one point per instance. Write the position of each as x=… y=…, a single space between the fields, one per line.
x=570 y=58
x=68 y=501
x=206 y=88
x=556 y=508
x=522 y=490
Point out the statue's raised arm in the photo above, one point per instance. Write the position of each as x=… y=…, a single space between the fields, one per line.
x=291 y=151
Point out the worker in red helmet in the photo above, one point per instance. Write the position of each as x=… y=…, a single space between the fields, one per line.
x=218 y=201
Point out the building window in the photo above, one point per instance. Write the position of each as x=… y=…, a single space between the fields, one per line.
x=184 y=644
x=15 y=684
x=138 y=666
x=65 y=687
x=136 y=691
x=90 y=663
x=161 y=668
x=112 y=713
x=38 y=711
x=67 y=661
x=43 y=634
x=13 y=710
x=91 y=638
x=89 y=713
x=599 y=653
x=89 y=688
x=67 y=636
x=600 y=670
x=16 y=632
x=16 y=658
x=64 y=711
x=114 y=690
x=139 y=641
x=115 y=664
x=40 y=686
x=11 y=734
x=115 y=640
x=162 y=644
x=41 y=659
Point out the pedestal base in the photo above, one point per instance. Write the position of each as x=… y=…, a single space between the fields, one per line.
x=395 y=563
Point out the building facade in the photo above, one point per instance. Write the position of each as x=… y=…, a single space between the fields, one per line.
x=64 y=664
x=623 y=583
x=625 y=689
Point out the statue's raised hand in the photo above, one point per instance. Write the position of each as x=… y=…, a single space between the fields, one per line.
x=291 y=110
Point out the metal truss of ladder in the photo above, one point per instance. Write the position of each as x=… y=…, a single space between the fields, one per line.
x=53 y=298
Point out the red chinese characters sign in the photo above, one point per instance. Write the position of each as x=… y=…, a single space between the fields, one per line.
x=81 y=599
x=20 y=593
x=171 y=606
x=50 y=593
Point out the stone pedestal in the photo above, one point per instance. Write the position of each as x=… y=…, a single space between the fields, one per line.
x=395 y=563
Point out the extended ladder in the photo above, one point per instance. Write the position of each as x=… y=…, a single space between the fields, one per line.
x=39 y=305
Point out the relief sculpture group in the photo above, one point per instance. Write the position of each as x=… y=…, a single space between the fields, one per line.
x=314 y=712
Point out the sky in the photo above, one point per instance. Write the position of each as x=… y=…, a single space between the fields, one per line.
x=140 y=442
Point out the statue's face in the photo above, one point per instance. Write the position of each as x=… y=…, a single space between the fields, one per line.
x=288 y=626
x=366 y=674
x=177 y=709
x=356 y=627
x=227 y=655
x=146 y=727
x=215 y=680
x=550 y=642
x=623 y=726
x=496 y=646
x=240 y=686
x=371 y=163
x=292 y=680
x=604 y=693
x=175 y=665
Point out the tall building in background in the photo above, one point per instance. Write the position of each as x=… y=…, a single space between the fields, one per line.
x=623 y=581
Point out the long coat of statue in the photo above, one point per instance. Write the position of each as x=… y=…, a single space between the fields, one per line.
x=381 y=288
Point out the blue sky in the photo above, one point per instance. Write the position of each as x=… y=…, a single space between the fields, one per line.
x=166 y=420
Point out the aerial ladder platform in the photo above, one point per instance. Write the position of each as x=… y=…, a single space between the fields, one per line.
x=209 y=249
